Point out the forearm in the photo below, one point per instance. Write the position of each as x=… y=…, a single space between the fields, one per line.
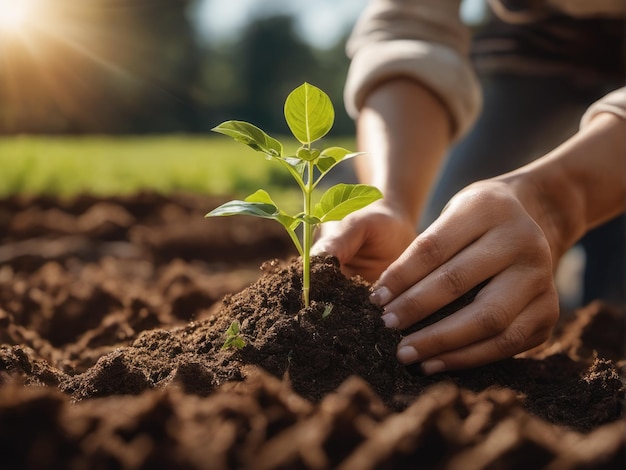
x=579 y=185
x=405 y=131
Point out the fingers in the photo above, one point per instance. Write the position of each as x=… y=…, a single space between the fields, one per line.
x=347 y=241
x=484 y=233
x=456 y=253
x=518 y=337
x=341 y=239
x=448 y=235
x=367 y=241
x=498 y=251
x=506 y=318
x=480 y=261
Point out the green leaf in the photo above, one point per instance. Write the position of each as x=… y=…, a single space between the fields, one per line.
x=296 y=165
x=234 y=342
x=233 y=329
x=327 y=310
x=262 y=197
x=237 y=207
x=258 y=204
x=333 y=155
x=309 y=219
x=309 y=113
x=233 y=339
x=343 y=199
x=252 y=136
x=307 y=155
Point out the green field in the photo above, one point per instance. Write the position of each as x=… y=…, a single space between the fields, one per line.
x=67 y=166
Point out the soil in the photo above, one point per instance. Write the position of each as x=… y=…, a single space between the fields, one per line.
x=113 y=313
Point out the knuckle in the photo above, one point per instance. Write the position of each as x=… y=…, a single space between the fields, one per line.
x=542 y=279
x=429 y=252
x=437 y=342
x=482 y=196
x=395 y=279
x=511 y=341
x=552 y=316
x=454 y=281
x=538 y=253
x=493 y=319
x=540 y=337
x=546 y=321
x=412 y=309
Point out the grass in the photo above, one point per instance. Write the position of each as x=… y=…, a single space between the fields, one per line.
x=67 y=166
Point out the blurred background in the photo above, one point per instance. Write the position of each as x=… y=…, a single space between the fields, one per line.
x=111 y=96
x=163 y=66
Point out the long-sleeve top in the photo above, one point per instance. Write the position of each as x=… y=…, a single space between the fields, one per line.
x=427 y=41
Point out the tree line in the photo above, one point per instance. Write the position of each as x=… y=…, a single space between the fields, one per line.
x=138 y=67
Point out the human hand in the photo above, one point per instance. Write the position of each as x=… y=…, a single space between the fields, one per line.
x=366 y=242
x=484 y=233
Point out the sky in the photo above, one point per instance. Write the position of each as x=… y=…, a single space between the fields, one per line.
x=320 y=22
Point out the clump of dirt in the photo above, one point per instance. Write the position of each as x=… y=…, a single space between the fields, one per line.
x=111 y=333
x=317 y=348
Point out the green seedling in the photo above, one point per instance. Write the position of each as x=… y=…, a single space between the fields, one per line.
x=234 y=339
x=310 y=115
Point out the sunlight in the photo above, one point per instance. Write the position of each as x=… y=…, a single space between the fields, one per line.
x=52 y=52
x=14 y=15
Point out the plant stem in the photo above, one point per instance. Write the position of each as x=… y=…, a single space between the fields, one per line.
x=307 y=237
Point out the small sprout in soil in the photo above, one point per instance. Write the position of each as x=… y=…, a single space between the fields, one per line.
x=234 y=339
x=327 y=310
x=310 y=115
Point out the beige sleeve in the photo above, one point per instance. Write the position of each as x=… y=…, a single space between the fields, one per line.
x=614 y=102
x=420 y=39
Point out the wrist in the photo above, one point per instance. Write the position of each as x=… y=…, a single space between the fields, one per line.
x=404 y=131
x=578 y=185
x=552 y=203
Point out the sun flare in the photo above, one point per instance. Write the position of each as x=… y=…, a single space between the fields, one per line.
x=14 y=14
x=60 y=60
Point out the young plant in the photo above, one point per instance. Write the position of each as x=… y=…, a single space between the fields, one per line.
x=310 y=115
x=234 y=340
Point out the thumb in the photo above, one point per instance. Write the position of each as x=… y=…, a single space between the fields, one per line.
x=343 y=241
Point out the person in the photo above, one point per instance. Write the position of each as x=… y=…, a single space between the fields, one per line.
x=549 y=72
x=414 y=95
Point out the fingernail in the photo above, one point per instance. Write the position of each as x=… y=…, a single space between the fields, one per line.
x=407 y=354
x=391 y=320
x=380 y=296
x=433 y=367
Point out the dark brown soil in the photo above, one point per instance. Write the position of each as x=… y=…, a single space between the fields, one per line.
x=113 y=313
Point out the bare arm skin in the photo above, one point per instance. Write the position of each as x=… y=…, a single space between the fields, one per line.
x=511 y=229
x=405 y=131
